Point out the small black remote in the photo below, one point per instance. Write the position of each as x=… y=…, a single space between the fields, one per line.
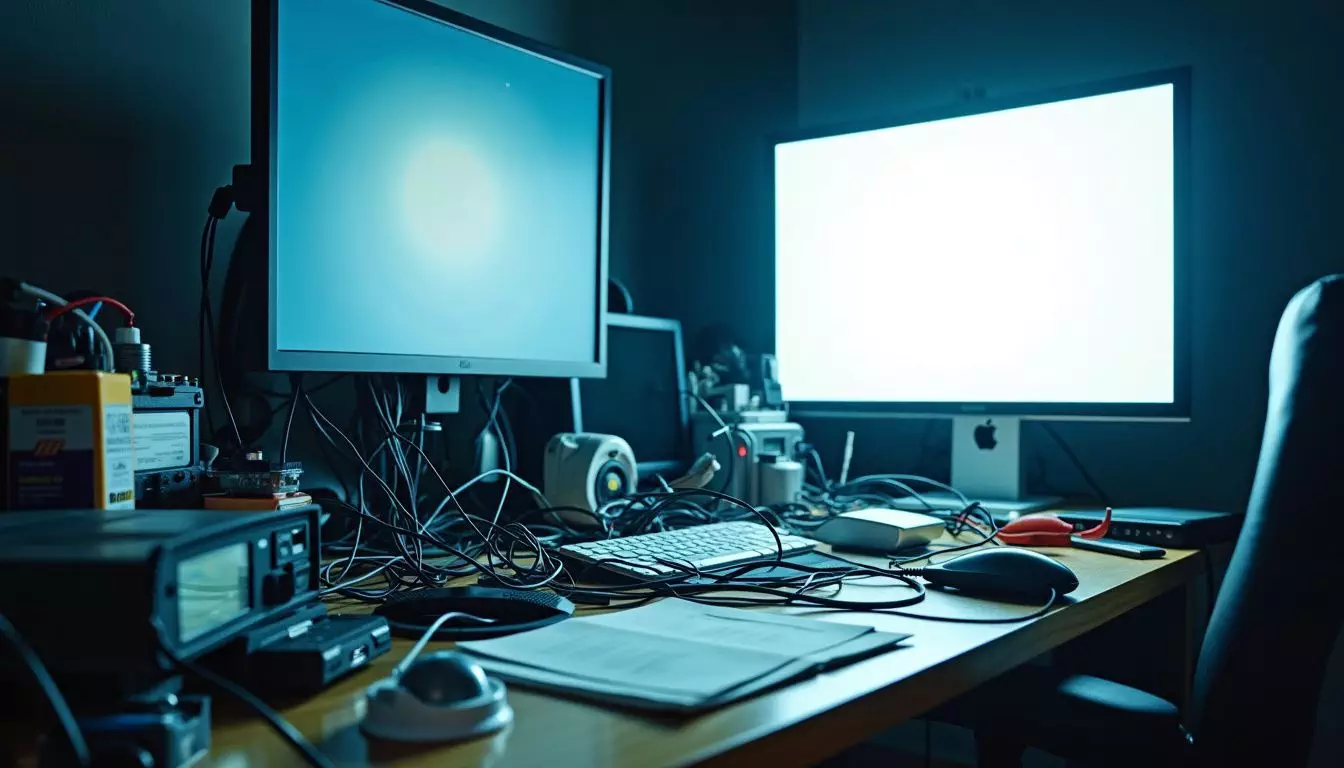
x=1121 y=548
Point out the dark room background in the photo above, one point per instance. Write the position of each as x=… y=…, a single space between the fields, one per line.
x=1266 y=169
x=120 y=118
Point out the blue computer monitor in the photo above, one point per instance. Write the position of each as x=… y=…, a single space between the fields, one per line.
x=436 y=192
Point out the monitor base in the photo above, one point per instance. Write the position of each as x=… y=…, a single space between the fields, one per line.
x=987 y=457
x=1003 y=510
x=987 y=467
x=443 y=394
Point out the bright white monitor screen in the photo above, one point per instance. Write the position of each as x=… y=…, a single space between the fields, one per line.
x=437 y=192
x=1019 y=256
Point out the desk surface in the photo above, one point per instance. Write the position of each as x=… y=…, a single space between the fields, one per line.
x=796 y=725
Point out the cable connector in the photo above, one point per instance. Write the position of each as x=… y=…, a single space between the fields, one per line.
x=131 y=354
x=221 y=202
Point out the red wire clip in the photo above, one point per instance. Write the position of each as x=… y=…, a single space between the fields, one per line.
x=1045 y=529
x=55 y=312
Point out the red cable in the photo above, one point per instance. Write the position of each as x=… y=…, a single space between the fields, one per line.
x=56 y=312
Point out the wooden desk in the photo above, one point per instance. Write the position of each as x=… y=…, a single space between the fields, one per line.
x=797 y=725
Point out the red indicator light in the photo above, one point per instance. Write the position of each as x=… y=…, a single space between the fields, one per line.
x=742 y=451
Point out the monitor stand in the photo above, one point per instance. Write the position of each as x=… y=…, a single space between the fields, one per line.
x=443 y=394
x=987 y=467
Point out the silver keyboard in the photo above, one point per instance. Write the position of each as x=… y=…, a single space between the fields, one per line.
x=705 y=547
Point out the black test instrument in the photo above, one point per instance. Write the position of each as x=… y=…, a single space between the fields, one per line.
x=97 y=593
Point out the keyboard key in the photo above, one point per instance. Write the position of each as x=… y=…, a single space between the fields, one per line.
x=704 y=547
x=721 y=560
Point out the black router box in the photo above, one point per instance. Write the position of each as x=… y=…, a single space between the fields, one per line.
x=1162 y=526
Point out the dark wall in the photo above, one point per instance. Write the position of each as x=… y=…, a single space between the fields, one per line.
x=120 y=119
x=698 y=84
x=1266 y=167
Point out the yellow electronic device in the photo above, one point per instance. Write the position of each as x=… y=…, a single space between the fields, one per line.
x=68 y=441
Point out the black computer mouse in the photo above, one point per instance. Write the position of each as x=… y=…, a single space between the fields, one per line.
x=1006 y=571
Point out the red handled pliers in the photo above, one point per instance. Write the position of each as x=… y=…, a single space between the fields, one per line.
x=1046 y=529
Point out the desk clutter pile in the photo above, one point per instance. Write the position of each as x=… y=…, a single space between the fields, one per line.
x=256 y=606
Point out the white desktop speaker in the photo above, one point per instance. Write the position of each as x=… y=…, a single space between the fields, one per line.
x=587 y=470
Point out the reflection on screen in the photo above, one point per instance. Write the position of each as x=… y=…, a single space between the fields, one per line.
x=212 y=590
x=1025 y=255
x=437 y=193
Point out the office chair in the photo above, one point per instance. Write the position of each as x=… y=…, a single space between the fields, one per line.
x=1262 y=663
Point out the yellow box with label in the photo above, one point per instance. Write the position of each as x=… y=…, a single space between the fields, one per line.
x=68 y=441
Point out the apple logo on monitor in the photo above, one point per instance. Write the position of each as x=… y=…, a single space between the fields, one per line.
x=984 y=436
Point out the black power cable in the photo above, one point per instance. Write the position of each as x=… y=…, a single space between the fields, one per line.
x=1036 y=614
x=397 y=511
x=296 y=384
x=958 y=519
x=201 y=318
x=1092 y=484
x=821 y=468
x=207 y=322
x=728 y=432
x=287 y=731
x=29 y=660
x=540 y=571
x=773 y=590
x=734 y=580
x=513 y=552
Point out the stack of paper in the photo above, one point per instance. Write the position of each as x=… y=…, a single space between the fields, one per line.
x=675 y=655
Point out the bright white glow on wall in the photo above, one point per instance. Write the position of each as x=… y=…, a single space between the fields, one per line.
x=1018 y=256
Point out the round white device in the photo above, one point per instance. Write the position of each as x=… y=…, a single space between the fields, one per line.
x=446 y=698
x=587 y=470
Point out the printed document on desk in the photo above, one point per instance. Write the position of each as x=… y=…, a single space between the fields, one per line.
x=675 y=655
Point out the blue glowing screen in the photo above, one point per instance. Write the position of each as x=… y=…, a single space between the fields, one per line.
x=436 y=192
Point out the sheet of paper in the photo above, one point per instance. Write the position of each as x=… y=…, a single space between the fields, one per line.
x=791 y=636
x=578 y=648
x=674 y=652
x=860 y=647
x=655 y=700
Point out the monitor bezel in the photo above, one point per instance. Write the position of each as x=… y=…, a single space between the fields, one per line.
x=1180 y=407
x=666 y=466
x=264 y=43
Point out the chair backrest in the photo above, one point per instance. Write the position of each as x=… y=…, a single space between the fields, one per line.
x=1281 y=607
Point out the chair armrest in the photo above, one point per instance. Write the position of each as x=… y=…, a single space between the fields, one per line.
x=1076 y=717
